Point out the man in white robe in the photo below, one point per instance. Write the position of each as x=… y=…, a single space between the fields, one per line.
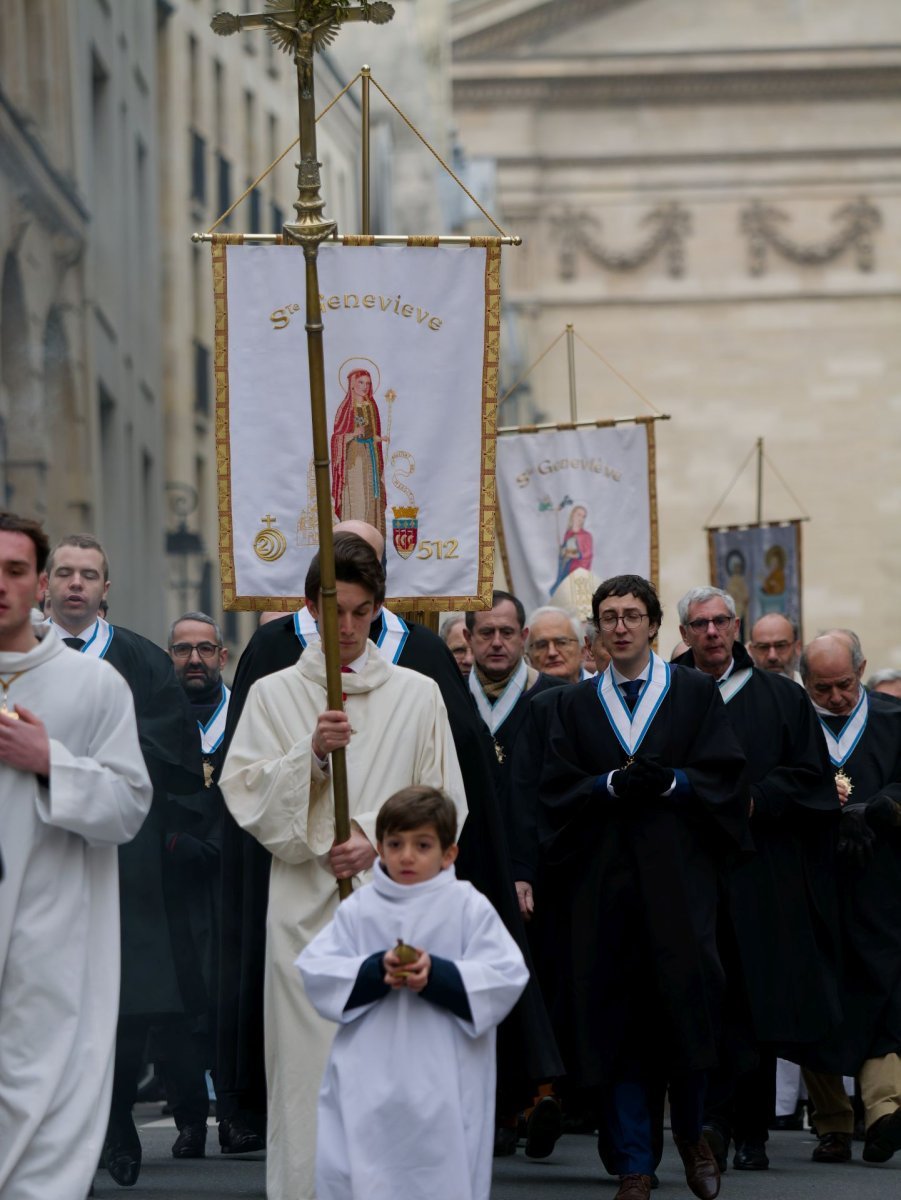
x=73 y=786
x=277 y=785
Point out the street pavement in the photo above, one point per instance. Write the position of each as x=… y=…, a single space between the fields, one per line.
x=572 y=1173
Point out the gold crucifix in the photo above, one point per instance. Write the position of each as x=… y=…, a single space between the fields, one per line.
x=304 y=27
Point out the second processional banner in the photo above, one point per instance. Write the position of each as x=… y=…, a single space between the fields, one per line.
x=411 y=349
x=577 y=506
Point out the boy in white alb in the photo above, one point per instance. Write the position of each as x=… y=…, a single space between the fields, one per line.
x=407 y=1103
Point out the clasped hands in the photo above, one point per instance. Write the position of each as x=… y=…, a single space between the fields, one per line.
x=413 y=975
x=861 y=824
x=642 y=779
x=24 y=742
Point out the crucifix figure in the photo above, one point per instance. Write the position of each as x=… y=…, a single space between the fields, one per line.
x=302 y=28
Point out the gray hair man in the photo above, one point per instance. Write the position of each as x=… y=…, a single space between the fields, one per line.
x=451 y=633
x=863 y=735
x=554 y=645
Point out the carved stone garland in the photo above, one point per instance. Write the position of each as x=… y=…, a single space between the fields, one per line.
x=669 y=223
x=761 y=222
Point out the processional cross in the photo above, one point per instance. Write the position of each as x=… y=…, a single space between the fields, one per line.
x=302 y=28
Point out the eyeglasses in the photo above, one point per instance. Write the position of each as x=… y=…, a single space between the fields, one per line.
x=699 y=625
x=542 y=644
x=487 y=633
x=204 y=649
x=763 y=647
x=631 y=618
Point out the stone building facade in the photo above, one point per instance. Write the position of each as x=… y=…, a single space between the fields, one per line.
x=80 y=404
x=710 y=191
x=124 y=129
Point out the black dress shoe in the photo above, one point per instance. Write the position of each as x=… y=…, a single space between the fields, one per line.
x=122 y=1152
x=750 y=1156
x=236 y=1137
x=123 y=1166
x=883 y=1138
x=190 y=1143
x=504 y=1141
x=543 y=1128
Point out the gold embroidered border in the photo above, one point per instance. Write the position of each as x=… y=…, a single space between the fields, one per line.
x=231 y=601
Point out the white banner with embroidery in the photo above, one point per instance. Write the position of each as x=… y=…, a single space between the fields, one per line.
x=410 y=344
x=576 y=508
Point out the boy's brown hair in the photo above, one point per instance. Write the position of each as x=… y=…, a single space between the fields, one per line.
x=413 y=807
x=355 y=562
x=13 y=523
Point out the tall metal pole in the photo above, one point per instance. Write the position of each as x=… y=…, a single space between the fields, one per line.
x=302 y=27
x=759 y=480
x=366 y=226
x=571 y=356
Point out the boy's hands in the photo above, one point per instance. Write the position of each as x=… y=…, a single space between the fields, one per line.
x=413 y=975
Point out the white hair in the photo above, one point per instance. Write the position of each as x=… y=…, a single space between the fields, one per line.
x=551 y=609
x=449 y=624
x=700 y=595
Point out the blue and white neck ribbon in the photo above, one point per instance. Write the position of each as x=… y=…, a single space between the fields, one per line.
x=732 y=685
x=631 y=727
x=96 y=643
x=495 y=714
x=842 y=747
x=213 y=732
x=390 y=642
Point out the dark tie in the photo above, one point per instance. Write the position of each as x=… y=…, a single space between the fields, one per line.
x=630 y=690
x=75 y=643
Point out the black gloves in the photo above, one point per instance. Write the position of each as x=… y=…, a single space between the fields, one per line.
x=643 y=779
x=883 y=814
x=856 y=838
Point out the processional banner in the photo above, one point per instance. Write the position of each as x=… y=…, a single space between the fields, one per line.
x=577 y=505
x=760 y=567
x=411 y=343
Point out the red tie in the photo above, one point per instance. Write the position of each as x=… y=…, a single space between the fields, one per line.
x=345 y=671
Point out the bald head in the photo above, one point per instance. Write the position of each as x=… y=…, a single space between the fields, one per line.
x=774 y=645
x=831 y=673
x=367 y=532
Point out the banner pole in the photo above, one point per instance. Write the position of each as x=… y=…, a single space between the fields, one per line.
x=365 y=223
x=571 y=359
x=299 y=28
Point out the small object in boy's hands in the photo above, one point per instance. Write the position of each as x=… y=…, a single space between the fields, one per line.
x=406 y=955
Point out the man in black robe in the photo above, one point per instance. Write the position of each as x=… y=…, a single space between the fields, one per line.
x=642 y=799
x=863 y=736
x=184 y=1050
x=160 y=977
x=483 y=860
x=778 y=940
x=503 y=686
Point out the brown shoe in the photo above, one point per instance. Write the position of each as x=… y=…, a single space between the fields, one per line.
x=701 y=1171
x=634 y=1187
x=833 y=1148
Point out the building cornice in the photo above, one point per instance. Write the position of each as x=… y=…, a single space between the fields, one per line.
x=567 y=84
x=480 y=29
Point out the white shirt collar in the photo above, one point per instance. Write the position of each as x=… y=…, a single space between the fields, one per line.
x=359 y=663
x=728 y=671
x=619 y=679
x=84 y=634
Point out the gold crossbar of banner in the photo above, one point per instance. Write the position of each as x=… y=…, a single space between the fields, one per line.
x=375 y=239
x=601 y=423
